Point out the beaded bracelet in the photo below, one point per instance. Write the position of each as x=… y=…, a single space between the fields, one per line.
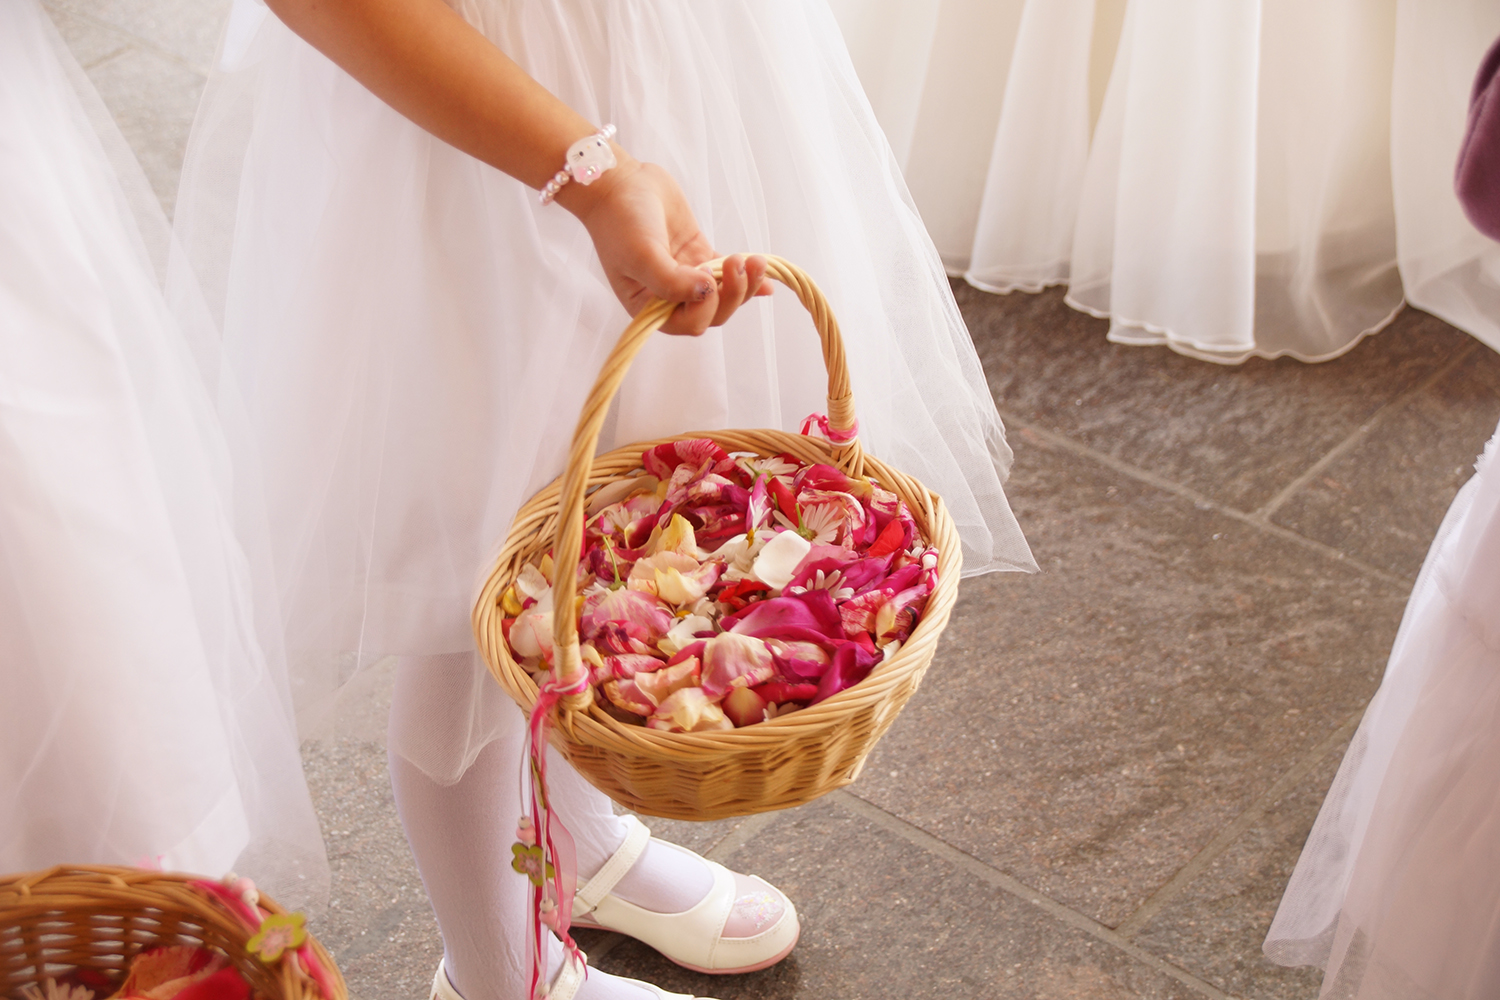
x=585 y=161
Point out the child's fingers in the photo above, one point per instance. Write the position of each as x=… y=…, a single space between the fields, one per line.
x=666 y=278
x=732 y=288
x=755 y=275
x=692 y=318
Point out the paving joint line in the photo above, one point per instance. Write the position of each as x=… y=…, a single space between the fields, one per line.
x=1252 y=814
x=741 y=835
x=1341 y=449
x=1203 y=502
x=94 y=64
x=67 y=8
x=966 y=862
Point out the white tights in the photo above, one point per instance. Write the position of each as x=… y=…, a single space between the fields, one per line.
x=447 y=712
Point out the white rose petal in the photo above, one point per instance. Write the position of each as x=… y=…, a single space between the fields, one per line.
x=778 y=560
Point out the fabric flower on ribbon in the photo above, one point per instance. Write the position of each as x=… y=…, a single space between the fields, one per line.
x=278 y=933
x=530 y=860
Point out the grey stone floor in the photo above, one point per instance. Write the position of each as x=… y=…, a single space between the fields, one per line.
x=1104 y=783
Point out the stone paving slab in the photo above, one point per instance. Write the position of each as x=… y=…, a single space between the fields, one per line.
x=1225 y=556
x=148 y=59
x=1089 y=729
x=1383 y=499
x=1215 y=926
x=884 y=918
x=1235 y=434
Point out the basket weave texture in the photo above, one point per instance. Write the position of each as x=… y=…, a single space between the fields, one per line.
x=100 y=917
x=774 y=764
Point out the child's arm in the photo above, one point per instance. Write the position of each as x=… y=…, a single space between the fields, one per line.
x=428 y=63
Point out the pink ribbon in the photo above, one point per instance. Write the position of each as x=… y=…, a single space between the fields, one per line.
x=552 y=836
x=303 y=958
x=819 y=422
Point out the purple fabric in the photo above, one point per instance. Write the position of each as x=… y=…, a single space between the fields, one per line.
x=1477 y=179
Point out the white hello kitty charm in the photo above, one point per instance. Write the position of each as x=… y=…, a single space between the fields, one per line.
x=585 y=161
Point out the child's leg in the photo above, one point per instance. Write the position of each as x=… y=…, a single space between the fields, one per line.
x=665 y=881
x=461 y=833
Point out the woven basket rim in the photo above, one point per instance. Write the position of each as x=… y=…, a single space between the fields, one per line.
x=72 y=889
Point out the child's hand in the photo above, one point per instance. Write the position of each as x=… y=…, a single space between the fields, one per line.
x=650 y=246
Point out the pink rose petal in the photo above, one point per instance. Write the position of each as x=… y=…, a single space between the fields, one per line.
x=630 y=607
x=730 y=660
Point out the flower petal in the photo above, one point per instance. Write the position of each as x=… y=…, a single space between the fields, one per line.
x=684 y=633
x=620 y=489
x=531 y=635
x=627 y=694
x=851 y=664
x=689 y=710
x=628 y=665
x=664 y=458
x=676 y=537
x=730 y=660
x=810 y=616
x=662 y=684
x=744 y=707
x=778 y=560
x=629 y=606
x=757 y=505
x=779 y=692
x=798 y=659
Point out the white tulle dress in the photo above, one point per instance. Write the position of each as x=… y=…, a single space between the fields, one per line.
x=141 y=721
x=1397 y=892
x=414 y=334
x=1228 y=179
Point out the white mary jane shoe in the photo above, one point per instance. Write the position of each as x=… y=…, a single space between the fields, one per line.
x=564 y=987
x=695 y=937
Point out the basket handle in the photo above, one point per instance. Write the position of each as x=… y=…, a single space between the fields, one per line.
x=568 y=547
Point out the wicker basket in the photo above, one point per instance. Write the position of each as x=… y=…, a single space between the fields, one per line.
x=99 y=917
x=774 y=764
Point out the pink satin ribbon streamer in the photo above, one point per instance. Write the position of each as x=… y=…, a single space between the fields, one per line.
x=820 y=422
x=556 y=842
x=303 y=958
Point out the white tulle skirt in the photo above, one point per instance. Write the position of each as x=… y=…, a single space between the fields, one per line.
x=1230 y=180
x=141 y=722
x=1397 y=892
x=413 y=334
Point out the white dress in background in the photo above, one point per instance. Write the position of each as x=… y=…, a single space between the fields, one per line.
x=141 y=722
x=1256 y=178
x=414 y=334
x=1397 y=891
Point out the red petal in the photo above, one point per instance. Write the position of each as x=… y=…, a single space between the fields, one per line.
x=777 y=692
x=890 y=541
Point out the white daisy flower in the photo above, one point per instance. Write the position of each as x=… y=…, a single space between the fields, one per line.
x=756 y=465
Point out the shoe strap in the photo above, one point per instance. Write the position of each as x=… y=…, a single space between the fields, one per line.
x=588 y=896
x=569 y=978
